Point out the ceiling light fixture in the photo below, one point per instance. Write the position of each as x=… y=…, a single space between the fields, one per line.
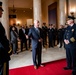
x=13 y=10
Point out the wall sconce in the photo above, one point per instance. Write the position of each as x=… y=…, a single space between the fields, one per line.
x=18 y=23
x=72 y=14
x=72 y=11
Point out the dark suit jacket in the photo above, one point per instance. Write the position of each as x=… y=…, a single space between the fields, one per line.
x=14 y=36
x=26 y=31
x=22 y=35
x=60 y=34
x=4 y=45
x=51 y=33
x=35 y=36
x=45 y=29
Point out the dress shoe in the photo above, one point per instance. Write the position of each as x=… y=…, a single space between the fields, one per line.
x=73 y=73
x=42 y=65
x=67 y=68
x=26 y=49
x=35 y=67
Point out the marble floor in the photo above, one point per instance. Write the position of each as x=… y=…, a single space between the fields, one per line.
x=25 y=58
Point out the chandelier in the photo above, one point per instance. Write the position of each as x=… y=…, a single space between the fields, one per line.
x=13 y=8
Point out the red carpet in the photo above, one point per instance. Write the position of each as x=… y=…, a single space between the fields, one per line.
x=51 y=68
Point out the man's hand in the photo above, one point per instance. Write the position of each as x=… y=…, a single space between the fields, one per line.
x=27 y=36
x=40 y=40
x=66 y=41
x=18 y=39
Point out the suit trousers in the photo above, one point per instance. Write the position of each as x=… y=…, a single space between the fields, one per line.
x=1 y=68
x=36 y=54
x=4 y=68
x=71 y=58
x=15 y=46
x=25 y=43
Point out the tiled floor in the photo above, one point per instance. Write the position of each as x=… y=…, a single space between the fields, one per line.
x=25 y=58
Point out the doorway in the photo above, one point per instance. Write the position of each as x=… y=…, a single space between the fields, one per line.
x=52 y=14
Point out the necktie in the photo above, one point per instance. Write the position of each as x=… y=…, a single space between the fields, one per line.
x=23 y=31
x=38 y=31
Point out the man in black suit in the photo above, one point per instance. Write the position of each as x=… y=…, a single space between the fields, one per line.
x=36 y=35
x=44 y=28
x=54 y=34
x=4 y=47
x=60 y=35
x=22 y=37
x=51 y=36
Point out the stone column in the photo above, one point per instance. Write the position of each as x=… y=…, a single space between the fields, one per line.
x=5 y=17
x=62 y=12
x=37 y=11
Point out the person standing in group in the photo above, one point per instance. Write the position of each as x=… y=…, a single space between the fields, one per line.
x=14 y=40
x=4 y=47
x=16 y=30
x=44 y=28
x=60 y=36
x=51 y=36
x=70 y=45
x=36 y=35
x=22 y=37
x=30 y=26
x=54 y=34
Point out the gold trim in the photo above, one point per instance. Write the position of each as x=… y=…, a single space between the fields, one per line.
x=4 y=68
x=72 y=39
x=10 y=51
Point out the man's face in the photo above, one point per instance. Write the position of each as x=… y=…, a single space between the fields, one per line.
x=61 y=26
x=13 y=28
x=1 y=13
x=69 y=22
x=36 y=23
x=23 y=26
x=50 y=26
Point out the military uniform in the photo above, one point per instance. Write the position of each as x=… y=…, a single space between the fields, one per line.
x=4 y=48
x=70 y=34
x=60 y=36
x=50 y=37
x=44 y=28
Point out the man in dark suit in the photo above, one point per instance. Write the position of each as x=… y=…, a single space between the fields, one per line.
x=44 y=28
x=4 y=47
x=60 y=35
x=70 y=45
x=54 y=34
x=36 y=34
x=16 y=30
x=14 y=40
x=51 y=36
x=22 y=37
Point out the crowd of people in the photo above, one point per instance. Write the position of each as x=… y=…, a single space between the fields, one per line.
x=51 y=36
